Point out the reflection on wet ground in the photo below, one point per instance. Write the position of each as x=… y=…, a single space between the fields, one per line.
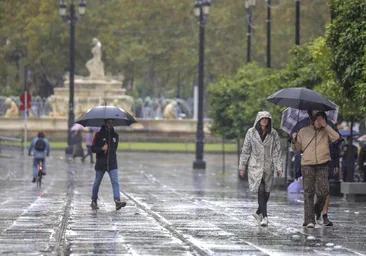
x=171 y=210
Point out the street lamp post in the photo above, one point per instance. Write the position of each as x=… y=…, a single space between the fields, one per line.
x=297 y=23
x=72 y=18
x=268 y=33
x=201 y=11
x=248 y=5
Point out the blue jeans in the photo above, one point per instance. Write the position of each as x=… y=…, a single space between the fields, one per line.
x=113 y=175
x=35 y=162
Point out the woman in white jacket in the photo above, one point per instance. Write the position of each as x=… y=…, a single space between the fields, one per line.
x=261 y=153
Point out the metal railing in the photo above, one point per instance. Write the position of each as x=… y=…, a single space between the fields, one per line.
x=10 y=143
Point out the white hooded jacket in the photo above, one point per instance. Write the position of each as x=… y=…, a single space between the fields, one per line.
x=261 y=156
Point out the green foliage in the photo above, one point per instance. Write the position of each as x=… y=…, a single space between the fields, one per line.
x=236 y=101
x=346 y=39
x=334 y=65
x=154 y=43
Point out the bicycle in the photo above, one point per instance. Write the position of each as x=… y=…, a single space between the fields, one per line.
x=39 y=173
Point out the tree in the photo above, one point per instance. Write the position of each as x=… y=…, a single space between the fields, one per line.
x=154 y=44
x=346 y=39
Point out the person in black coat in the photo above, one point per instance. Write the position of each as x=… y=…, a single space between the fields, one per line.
x=362 y=161
x=105 y=145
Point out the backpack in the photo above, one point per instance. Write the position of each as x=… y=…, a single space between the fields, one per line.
x=40 y=145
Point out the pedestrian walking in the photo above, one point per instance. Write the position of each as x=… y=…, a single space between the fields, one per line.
x=88 y=139
x=349 y=160
x=333 y=170
x=333 y=175
x=105 y=144
x=362 y=161
x=261 y=153
x=313 y=141
x=76 y=141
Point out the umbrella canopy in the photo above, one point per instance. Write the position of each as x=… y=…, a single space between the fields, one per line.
x=96 y=116
x=347 y=133
x=77 y=127
x=301 y=98
x=293 y=120
x=362 y=138
x=94 y=128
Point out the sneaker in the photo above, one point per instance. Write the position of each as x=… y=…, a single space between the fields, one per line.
x=326 y=221
x=319 y=220
x=318 y=213
x=310 y=225
x=257 y=217
x=34 y=180
x=119 y=204
x=264 y=222
x=94 y=205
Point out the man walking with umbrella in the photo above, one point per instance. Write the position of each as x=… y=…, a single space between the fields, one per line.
x=105 y=144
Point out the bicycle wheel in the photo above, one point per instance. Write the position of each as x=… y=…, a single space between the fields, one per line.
x=39 y=180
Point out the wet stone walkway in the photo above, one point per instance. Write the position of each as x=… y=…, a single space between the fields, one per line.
x=171 y=210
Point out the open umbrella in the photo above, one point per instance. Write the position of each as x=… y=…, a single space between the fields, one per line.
x=362 y=138
x=96 y=116
x=293 y=120
x=301 y=98
x=77 y=127
x=347 y=132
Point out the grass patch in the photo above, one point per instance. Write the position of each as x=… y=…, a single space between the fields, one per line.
x=148 y=146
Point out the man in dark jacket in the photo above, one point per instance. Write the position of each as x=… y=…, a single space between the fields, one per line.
x=333 y=174
x=105 y=144
x=362 y=161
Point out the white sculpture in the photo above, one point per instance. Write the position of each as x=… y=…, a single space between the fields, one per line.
x=96 y=65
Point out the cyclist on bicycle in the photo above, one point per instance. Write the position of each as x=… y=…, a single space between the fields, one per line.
x=39 y=148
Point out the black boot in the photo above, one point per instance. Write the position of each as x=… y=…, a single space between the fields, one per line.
x=119 y=204
x=94 y=205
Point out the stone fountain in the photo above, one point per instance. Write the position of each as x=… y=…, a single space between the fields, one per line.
x=96 y=89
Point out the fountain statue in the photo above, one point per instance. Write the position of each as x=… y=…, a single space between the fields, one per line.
x=96 y=89
x=96 y=65
x=13 y=108
x=169 y=111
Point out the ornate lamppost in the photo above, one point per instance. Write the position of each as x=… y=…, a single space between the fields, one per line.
x=201 y=11
x=249 y=4
x=72 y=18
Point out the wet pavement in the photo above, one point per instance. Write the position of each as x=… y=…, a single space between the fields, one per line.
x=171 y=210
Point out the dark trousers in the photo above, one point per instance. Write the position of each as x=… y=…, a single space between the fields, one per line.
x=90 y=153
x=345 y=174
x=315 y=179
x=263 y=197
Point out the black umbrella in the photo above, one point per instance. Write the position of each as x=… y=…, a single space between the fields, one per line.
x=96 y=116
x=301 y=98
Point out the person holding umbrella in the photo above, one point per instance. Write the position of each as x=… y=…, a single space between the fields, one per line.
x=313 y=141
x=262 y=153
x=88 y=139
x=105 y=144
x=292 y=121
